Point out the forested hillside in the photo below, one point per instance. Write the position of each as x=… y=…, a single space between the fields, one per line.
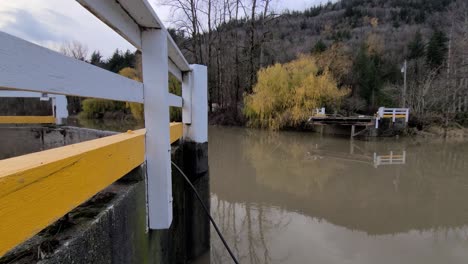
x=364 y=41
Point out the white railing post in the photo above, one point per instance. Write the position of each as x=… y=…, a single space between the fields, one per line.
x=195 y=110
x=381 y=112
x=407 y=115
x=187 y=80
x=158 y=149
x=393 y=115
x=60 y=108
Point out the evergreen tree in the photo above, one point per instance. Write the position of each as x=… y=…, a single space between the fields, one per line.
x=436 y=49
x=120 y=60
x=96 y=59
x=319 y=47
x=368 y=74
x=416 y=47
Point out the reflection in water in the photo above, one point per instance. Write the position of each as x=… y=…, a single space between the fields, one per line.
x=301 y=198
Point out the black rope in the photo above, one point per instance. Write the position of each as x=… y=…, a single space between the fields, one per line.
x=207 y=213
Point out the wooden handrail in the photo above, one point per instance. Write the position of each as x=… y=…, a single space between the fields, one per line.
x=27 y=119
x=39 y=188
x=22 y=68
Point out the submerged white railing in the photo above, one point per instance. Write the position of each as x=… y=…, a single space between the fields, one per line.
x=27 y=67
x=391 y=159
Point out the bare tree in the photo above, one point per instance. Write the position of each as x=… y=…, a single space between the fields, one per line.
x=78 y=51
x=188 y=21
x=75 y=50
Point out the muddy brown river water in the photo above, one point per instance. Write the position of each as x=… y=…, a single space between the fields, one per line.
x=293 y=197
x=301 y=198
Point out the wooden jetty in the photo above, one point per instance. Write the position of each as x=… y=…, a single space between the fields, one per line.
x=367 y=122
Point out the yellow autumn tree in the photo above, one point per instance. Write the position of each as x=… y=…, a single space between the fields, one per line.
x=287 y=94
x=135 y=108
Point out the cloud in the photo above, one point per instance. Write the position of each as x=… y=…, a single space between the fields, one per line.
x=24 y=24
x=52 y=22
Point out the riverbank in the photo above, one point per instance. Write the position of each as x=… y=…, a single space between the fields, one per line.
x=124 y=123
x=435 y=132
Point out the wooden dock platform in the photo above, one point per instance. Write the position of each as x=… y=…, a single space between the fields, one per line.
x=344 y=121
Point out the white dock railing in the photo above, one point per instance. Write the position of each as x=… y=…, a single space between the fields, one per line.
x=393 y=113
x=390 y=159
x=27 y=67
x=58 y=102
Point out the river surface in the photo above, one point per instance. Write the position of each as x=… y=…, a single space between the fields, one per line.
x=294 y=197
x=301 y=198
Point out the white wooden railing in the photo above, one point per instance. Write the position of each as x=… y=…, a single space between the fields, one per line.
x=27 y=67
x=58 y=102
x=391 y=159
x=393 y=113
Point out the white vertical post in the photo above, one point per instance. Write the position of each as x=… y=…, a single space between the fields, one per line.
x=187 y=97
x=197 y=131
x=381 y=111
x=158 y=156
x=393 y=115
x=407 y=115
x=60 y=108
x=52 y=102
x=376 y=164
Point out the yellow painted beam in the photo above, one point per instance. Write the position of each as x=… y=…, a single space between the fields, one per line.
x=394 y=156
x=176 y=131
x=39 y=188
x=27 y=120
x=397 y=116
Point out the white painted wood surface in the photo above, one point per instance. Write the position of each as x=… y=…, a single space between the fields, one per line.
x=158 y=156
x=174 y=70
x=112 y=14
x=26 y=66
x=176 y=55
x=128 y=18
x=23 y=94
x=197 y=130
x=61 y=110
x=174 y=100
x=187 y=98
x=142 y=12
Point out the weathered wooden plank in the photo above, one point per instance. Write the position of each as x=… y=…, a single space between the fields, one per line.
x=112 y=14
x=27 y=119
x=39 y=188
x=26 y=66
x=176 y=130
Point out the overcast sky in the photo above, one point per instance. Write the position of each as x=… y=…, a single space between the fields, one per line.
x=52 y=22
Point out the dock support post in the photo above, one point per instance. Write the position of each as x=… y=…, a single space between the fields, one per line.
x=195 y=146
x=353 y=130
